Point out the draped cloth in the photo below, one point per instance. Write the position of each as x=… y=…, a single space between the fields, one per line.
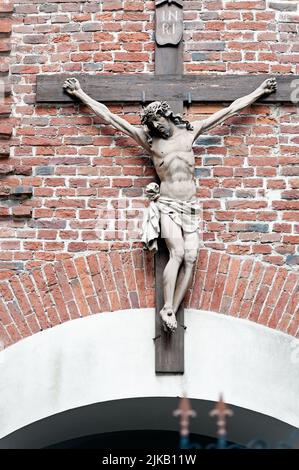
x=186 y=214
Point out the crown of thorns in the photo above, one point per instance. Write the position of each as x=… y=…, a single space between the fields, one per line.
x=156 y=108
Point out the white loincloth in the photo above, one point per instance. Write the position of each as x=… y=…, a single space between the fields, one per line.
x=186 y=214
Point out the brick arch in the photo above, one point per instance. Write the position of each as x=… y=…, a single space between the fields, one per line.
x=110 y=281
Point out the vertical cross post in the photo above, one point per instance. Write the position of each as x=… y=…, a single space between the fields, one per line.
x=169 y=348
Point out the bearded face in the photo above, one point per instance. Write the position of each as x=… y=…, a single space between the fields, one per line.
x=160 y=119
x=160 y=126
x=156 y=118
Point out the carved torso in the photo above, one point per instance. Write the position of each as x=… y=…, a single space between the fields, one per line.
x=174 y=163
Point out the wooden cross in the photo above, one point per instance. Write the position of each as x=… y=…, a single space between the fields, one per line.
x=168 y=84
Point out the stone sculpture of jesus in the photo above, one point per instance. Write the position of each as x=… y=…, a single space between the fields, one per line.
x=174 y=211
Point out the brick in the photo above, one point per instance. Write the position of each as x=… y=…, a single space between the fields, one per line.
x=106 y=272
x=263 y=228
x=20 y=322
x=77 y=246
x=211 y=271
x=131 y=56
x=245 y=5
x=255 y=278
x=290 y=171
x=232 y=277
x=5 y=45
x=13 y=333
x=237 y=227
x=6 y=7
x=21 y=191
x=285 y=205
x=23 y=170
x=291 y=216
x=279 y=260
x=121 y=284
x=4 y=191
x=93 y=26
x=245 y=204
x=79 y=297
x=20 y=296
x=283 y=6
x=21 y=211
x=276 y=184
x=226 y=304
x=5 y=130
x=4 y=150
x=48 y=8
x=290 y=194
x=102 y=294
x=222 y=193
x=216 y=297
x=59 y=301
x=258 y=303
x=264 y=249
x=5 y=25
x=208 y=46
x=278 y=310
x=35 y=39
x=238 y=249
x=294 y=183
x=4 y=212
x=202 y=172
x=292 y=260
x=43 y=141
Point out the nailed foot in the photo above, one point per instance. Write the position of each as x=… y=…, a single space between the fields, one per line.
x=168 y=319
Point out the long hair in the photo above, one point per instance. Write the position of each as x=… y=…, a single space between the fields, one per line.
x=160 y=108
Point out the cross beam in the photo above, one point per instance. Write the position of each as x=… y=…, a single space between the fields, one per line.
x=168 y=87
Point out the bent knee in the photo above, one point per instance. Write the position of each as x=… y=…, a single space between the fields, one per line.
x=190 y=257
x=177 y=254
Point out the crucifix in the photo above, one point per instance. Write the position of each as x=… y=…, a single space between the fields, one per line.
x=169 y=140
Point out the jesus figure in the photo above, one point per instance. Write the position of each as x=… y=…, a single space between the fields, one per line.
x=174 y=212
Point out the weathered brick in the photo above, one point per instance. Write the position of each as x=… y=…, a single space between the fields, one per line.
x=35 y=39
x=21 y=211
x=283 y=6
x=5 y=45
x=48 y=8
x=6 y=169
x=5 y=130
x=21 y=191
x=23 y=170
x=5 y=25
x=6 y=7
x=292 y=260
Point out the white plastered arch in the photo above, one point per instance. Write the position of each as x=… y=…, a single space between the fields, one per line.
x=110 y=356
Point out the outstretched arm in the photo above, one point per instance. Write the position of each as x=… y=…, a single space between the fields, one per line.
x=267 y=87
x=73 y=87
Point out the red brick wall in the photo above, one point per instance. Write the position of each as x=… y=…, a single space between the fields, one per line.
x=108 y=281
x=67 y=172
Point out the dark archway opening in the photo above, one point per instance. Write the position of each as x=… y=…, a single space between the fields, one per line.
x=144 y=423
